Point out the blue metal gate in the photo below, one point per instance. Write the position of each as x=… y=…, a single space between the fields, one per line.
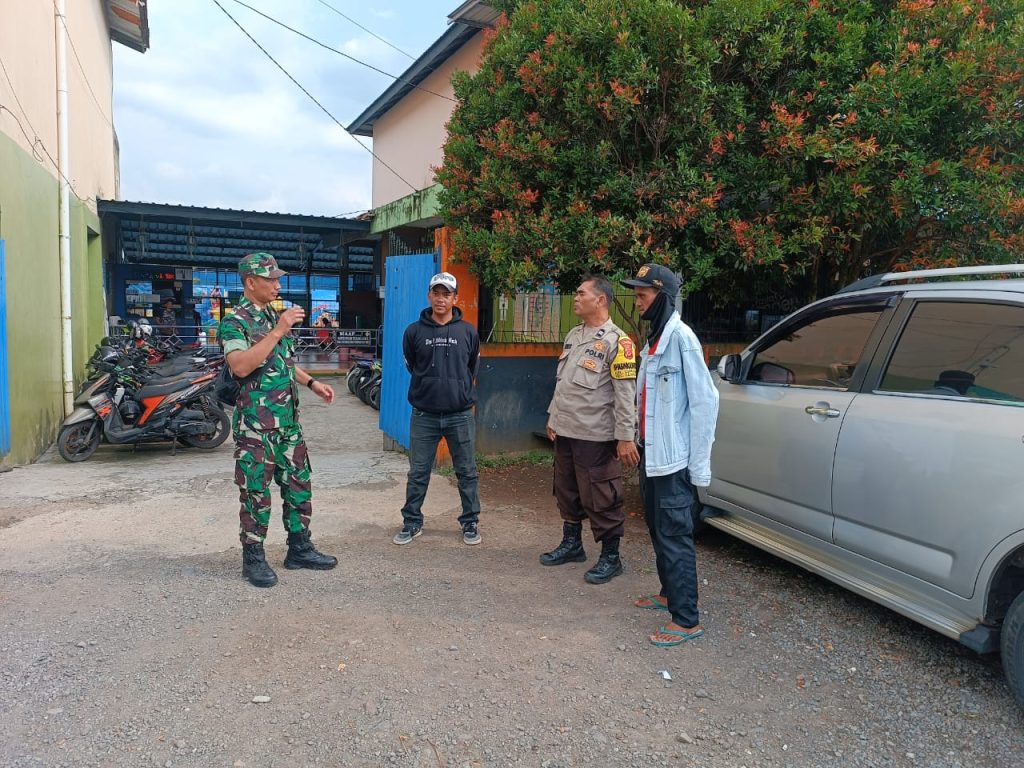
x=5 y=395
x=405 y=296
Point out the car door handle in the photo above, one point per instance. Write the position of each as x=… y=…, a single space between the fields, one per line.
x=821 y=410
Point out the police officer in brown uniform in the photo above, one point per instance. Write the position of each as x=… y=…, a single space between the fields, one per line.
x=592 y=421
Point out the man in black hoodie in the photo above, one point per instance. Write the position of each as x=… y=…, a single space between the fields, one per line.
x=441 y=352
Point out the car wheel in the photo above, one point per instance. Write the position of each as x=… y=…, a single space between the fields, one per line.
x=1012 y=648
x=699 y=526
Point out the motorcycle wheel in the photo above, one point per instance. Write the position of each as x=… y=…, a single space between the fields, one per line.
x=352 y=379
x=364 y=389
x=374 y=397
x=223 y=428
x=75 y=443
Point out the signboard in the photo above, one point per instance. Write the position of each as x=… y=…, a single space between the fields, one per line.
x=345 y=337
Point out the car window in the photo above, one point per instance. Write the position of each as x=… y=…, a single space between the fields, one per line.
x=967 y=349
x=822 y=352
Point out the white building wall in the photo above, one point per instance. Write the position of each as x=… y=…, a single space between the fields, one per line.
x=411 y=135
x=29 y=90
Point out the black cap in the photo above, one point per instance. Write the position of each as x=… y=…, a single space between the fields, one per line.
x=655 y=276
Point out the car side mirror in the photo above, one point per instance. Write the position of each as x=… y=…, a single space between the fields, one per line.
x=729 y=368
x=770 y=373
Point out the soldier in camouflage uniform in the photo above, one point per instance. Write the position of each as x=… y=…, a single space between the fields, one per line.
x=268 y=438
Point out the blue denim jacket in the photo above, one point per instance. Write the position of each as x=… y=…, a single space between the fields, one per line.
x=682 y=405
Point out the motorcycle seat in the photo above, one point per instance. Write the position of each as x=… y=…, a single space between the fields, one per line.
x=163 y=388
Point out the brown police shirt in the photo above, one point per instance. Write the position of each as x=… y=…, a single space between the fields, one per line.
x=595 y=385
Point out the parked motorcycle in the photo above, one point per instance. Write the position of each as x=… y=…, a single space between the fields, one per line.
x=357 y=373
x=124 y=404
x=369 y=382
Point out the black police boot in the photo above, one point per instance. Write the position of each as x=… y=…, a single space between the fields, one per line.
x=302 y=554
x=255 y=567
x=608 y=565
x=571 y=548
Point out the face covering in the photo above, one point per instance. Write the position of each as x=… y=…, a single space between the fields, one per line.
x=658 y=313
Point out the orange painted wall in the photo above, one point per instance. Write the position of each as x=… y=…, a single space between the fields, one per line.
x=469 y=285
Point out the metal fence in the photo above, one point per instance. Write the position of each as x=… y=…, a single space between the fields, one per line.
x=319 y=348
x=547 y=316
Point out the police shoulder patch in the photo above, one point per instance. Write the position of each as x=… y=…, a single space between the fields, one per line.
x=624 y=364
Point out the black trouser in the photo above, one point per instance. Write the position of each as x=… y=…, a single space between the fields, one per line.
x=425 y=432
x=588 y=484
x=669 y=502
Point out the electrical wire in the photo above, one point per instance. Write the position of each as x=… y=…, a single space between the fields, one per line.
x=367 y=31
x=39 y=142
x=35 y=141
x=81 y=67
x=311 y=97
x=396 y=78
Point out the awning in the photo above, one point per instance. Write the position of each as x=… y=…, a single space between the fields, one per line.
x=155 y=233
x=128 y=21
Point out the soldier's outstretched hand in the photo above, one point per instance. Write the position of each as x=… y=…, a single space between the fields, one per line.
x=324 y=391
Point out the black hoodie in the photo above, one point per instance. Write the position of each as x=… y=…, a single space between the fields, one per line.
x=443 y=362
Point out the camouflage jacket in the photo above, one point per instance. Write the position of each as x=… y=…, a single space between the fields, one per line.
x=268 y=400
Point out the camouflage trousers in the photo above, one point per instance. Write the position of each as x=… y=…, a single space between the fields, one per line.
x=278 y=455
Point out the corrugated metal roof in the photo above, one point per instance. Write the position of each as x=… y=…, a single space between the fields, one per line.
x=157 y=233
x=128 y=21
x=235 y=214
x=475 y=13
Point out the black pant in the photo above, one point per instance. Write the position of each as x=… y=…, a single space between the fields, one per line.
x=425 y=432
x=669 y=505
x=588 y=483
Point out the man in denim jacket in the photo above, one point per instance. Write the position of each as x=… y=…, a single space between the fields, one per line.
x=677 y=410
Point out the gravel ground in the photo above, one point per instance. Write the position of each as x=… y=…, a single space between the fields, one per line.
x=150 y=650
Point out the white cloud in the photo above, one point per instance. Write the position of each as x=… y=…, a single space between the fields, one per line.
x=204 y=118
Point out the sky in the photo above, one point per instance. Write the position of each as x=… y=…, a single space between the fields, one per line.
x=204 y=118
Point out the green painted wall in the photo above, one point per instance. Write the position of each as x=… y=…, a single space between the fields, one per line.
x=506 y=330
x=407 y=210
x=29 y=198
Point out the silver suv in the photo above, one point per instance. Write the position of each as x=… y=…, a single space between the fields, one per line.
x=876 y=438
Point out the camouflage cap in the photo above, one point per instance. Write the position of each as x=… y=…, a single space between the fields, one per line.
x=260 y=265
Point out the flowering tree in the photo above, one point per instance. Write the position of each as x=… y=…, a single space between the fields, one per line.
x=800 y=143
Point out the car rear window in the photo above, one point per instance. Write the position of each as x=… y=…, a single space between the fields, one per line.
x=964 y=349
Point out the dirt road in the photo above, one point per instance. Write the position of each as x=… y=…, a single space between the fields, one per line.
x=129 y=638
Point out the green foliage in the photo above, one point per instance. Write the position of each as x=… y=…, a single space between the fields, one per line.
x=799 y=144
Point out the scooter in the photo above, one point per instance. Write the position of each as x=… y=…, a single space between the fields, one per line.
x=357 y=374
x=175 y=409
x=369 y=383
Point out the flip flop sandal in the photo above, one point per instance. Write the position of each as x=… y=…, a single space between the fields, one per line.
x=683 y=637
x=654 y=604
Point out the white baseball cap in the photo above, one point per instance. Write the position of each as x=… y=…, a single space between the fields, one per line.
x=447 y=279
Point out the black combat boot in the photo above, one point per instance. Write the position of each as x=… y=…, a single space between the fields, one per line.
x=302 y=554
x=608 y=565
x=571 y=548
x=255 y=567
